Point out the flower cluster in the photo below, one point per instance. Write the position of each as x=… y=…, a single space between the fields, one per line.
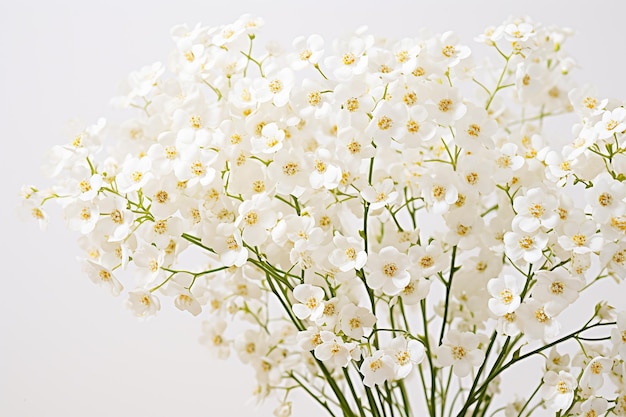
x=388 y=221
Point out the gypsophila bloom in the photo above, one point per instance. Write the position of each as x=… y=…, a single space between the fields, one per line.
x=382 y=224
x=311 y=302
x=558 y=389
x=536 y=320
x=618 y=336
x=377 y=368
x=388 y=270
x=461 y=351
x=405 y=354
x=593 y=375
x=143 y=304
x=334 y=350
x=505 y=292
x=593 y=406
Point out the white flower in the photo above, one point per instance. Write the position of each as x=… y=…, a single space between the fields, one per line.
x=289 y=171
x=460 y=350
x=518 y=32
x=255 y=218
x=524 y=245
x=405 y=353
x=558 y=389
x=428 y=260
x=440 y=189
x=380 y=195
x=593 y=406
x=505 y=292
x=350 y=58
x=149 y=260
x=326 y=172
x=584 y=100
x=534 y=209
x=618 y=336
x=417 y=289
x=613 y=256
x=354 y=321
x=446 y=104
x=385 y=123
x=270 y=140
x=388 y=270
x=311 y=304
x=134 y=175
x=194 y=167
x=283 y=409
x=275 y=87
x=377 y=369
x=579 y=236
x=250 y=345
x=142 y=303
x=446 y=48
x=348 y=254
x=334 y=350
x=606 y=197
x=226 y=240
x=310 y=338
x=475 y=130
x=307 y=50
x=162 y=231
x=557 y=362
x=81 y=216
x=593 y=375
x=535 y=321
x=557 y=289
x=102 y=276
x=612 y=123
x=213 y=337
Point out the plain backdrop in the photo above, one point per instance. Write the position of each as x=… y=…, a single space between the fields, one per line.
x=67 y=348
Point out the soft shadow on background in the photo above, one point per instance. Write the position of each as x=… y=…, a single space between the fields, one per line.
x=67 y=348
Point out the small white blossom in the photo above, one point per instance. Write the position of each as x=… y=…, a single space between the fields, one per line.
x=460 y=350
x=558 y=389
x=311 y=303
x=377 y=369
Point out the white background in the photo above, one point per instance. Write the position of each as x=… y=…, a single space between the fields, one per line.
x=67 y=348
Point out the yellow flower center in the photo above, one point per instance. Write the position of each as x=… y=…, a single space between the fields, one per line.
x=448 y=51
x=506 y=296
x=385 y=123
x=390 y=269
x=605 y=199
x=458 y=352
x=275 y=86
x=445 y=105
x=251 y=218
x=410 y=98
x=473 y=130
x=526 y=242
x=290 y=169
x=541 y=316
x=348 y=59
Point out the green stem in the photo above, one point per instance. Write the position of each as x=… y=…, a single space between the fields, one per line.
x=357 y=400
x=433 y=370
x=530 y=399
x=313 y=395
x=499 y=84
x=453 y=269
x=511 y=362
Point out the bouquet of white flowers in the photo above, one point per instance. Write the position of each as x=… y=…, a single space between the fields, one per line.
x=387 y=221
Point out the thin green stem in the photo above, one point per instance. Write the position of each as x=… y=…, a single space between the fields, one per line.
x=433 y=371
x=453 y=269
x=313 y=395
